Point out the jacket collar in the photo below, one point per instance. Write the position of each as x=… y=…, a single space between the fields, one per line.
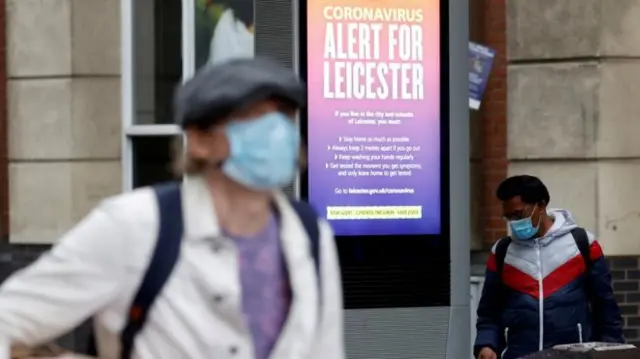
x=200 y=219
x=199 y=215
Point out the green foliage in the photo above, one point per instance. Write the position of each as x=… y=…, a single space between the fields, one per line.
x=208 y=17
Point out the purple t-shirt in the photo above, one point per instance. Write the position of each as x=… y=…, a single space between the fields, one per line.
x=266 y=294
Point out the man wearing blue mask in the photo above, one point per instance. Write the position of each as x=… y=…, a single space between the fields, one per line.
x=546 y=284
x=220 y=265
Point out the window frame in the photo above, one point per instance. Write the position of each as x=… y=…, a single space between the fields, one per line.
x=131 y=130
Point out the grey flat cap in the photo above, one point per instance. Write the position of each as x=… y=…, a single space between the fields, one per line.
x=217 y=91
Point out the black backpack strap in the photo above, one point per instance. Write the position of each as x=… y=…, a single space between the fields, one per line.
x=165 y=255
x=309 y=218
x=501 y=253
x=91 y=347
x=582 y=241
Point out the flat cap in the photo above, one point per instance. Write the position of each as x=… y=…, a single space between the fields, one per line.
x=217 y=91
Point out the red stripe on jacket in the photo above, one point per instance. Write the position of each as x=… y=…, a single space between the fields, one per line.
x=554 y=281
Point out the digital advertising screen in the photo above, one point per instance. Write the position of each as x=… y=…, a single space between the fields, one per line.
x=374 y=116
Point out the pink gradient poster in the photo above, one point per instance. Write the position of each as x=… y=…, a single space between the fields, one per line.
x=374 y=115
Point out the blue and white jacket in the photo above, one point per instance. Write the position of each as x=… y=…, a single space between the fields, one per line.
x=545 y=300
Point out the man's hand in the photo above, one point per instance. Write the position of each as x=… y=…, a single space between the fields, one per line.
x=487 y=353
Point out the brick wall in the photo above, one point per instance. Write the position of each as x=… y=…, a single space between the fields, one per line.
x=14 y=257
x=488 y=27
x=625 y=272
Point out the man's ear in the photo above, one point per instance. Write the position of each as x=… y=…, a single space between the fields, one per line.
x=196 y=143
x=210 y=145
x=543 y=207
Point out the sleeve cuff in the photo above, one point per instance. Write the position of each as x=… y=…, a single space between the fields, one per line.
x=486 y=339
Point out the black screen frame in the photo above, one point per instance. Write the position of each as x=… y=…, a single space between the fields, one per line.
x=381 y=271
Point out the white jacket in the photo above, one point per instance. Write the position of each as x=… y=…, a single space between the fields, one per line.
x=97 y=267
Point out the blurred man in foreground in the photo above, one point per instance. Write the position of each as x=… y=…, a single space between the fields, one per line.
x=222 y=265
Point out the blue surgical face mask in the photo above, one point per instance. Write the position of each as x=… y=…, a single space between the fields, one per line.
x=523 y=229
x=263 y=153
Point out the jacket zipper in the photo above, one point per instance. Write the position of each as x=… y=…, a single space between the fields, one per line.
x=506 y=342
x=540 y=298
x=580 y=332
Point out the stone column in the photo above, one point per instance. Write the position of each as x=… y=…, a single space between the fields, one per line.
x=574 y=118
x=64 y=112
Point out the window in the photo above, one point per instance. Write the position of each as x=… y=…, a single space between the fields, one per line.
x=164 y=42
x=152 y=47
x=153 y=159
x=223 y=30
x=157 y=59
